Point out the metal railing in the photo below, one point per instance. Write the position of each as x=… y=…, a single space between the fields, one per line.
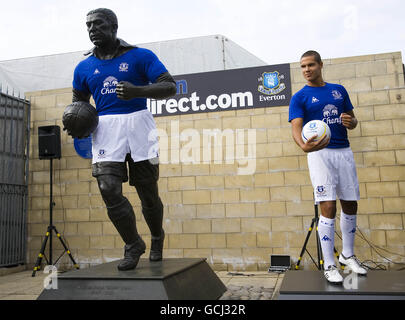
x=14 y=150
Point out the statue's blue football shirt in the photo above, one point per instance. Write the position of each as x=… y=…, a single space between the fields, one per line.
x=326 y=104
x=138 y=66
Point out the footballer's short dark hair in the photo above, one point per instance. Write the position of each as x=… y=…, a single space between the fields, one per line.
x=109 y=14
x=313 y=53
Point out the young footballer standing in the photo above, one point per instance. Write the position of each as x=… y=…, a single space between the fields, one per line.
x=331 y=164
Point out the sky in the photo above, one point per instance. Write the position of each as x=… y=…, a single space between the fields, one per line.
x=276 y=31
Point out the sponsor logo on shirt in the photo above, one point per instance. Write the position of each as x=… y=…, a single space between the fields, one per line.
x=109 y=85
x=331 y=114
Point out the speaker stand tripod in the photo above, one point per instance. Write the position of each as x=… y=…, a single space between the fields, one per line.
x=319 y=262
x=48 y=235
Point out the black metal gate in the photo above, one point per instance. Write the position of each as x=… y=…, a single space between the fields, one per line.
x=14 y=149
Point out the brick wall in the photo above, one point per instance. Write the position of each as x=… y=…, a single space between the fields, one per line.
x=236 y=221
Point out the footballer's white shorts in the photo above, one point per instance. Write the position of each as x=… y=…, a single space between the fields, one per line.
x=333 y=173
x=119 y=134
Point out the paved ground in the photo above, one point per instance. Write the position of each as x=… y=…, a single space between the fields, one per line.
x=241 y=285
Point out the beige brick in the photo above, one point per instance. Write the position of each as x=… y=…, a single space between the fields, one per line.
x=339 y=71
x=392 y=111
x=181 y=183
x=231 y=256
x=283 y=163
x=388 y=81
x=357 y=84
x=297 y=178
x=378 y=237
x=169 y=170
x=197 y=226
x=205 y=211
x=400 y=156
x=397 y=95
x=392 y=173
x=382 y=189
x=396 y=237
x=208 y=124
x=78 y=163
x=386 y=221
x=79 y=242
x=241 y=240
x=371 y=174
x=77 y=215
x=211 y=240
x=196 y=197
x=102 y=242
x=291 y=149
x=197 y=253
x=181 y=211
x=90 y=228
x=209 y=182
x=300 y=208
x=266 y=121
x=259 y=255
x=77 y=188
x=98 y=214
x=256 y=224
x=269 y=179
x=374 y=128
x=398 y=126
x=370 y=205
x=394 y=205
x=363 y=144
x=225 y=196
x=226 y=225
x=182 y=241
x=171 y=198
x=266 y=150
x=371 y=68
x=364 y=113
x=44 y=102
x=272 y=239
x=195 y=169
x=379 y=158
x=285 y=193
x=286 y=224
x=373 y=98
x=271 y=209
x=236 y=123
x=38 y=203
x=171 y=226
x=223 y=169
x=239 y=181
x=240 y=210
x=391 y=142
x=255 y=195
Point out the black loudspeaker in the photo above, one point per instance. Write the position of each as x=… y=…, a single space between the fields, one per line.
x=49 y=142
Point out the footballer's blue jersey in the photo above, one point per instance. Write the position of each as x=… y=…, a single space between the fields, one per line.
x=99 y=78
x=325 y=103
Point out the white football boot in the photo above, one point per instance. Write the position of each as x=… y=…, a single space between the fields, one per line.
x=353 y=264
x=332 y=275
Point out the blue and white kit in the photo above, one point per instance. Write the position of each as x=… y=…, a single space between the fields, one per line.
x=125 y=126
x=332 y=169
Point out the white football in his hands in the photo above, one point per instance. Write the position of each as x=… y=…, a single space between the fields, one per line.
x=315 y=127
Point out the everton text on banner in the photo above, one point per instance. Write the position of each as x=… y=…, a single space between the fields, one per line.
x=236 y=89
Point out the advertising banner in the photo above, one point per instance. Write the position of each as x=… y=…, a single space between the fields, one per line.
x=236 y=89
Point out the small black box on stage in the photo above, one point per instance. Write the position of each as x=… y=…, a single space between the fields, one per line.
x=49 y=142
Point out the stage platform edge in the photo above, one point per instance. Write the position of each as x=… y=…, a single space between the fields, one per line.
x=312 y=285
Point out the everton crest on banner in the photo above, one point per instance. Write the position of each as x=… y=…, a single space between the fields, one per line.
x=236 y=89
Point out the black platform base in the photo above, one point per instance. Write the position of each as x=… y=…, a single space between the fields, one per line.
x=312 y=285
x=169 y=279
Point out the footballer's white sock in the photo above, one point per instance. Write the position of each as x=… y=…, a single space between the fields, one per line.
x=326 y=231
x=348 y=228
